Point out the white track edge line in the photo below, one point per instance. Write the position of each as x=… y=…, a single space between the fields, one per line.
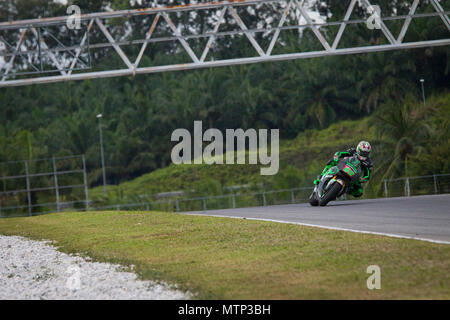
x=326 y=227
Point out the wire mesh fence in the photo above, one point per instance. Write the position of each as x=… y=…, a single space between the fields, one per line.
x=407 y=186
x=418 y=185
x=40 y=186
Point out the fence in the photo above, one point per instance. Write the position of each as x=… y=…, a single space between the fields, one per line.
x=408 y=186
x=418 y=185
x=232 y=200
x=43 y=185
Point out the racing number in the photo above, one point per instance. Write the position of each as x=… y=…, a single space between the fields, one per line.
x=348 y=171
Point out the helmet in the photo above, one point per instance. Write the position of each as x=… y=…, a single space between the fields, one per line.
x=363 y=150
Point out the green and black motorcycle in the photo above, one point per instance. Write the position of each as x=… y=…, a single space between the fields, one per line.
x=336 y=181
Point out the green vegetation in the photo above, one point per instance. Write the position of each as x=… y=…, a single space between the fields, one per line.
x=320 y=106
x=407 y=139
x=300 y=161
x=221 y=258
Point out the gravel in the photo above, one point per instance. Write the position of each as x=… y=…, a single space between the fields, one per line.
x=32 y=269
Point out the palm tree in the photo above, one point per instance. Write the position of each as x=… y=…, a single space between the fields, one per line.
x=403 y=132
x=321 y=91
x=382 y=77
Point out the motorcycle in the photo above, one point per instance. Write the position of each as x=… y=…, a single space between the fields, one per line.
x=336 y=181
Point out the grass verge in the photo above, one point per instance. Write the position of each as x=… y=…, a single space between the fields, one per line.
x=222 y=258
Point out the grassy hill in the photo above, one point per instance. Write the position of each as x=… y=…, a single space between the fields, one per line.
x=301 y=159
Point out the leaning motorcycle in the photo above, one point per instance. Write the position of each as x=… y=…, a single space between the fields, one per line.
x=336 y=181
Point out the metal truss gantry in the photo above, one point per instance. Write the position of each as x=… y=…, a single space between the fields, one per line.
x=65 y=65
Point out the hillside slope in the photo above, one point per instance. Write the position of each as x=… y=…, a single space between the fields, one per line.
x=301 y=159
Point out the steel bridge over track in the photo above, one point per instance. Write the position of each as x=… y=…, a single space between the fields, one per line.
x=26 y=52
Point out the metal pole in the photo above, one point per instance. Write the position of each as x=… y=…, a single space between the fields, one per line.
x=55 y=175
x=85 y=183
x=204 y=205
x=40 y=51
x=88 y=49
x=28 y=188
x=177 y=205
x=435 y=184
x=99 y=116
x=264 y=198
x=407 y=190
x=423 y=95
x=385 y=188
x=233 y=200
x=292 y=196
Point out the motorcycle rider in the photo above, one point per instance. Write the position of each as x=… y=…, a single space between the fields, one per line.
x=362 y=151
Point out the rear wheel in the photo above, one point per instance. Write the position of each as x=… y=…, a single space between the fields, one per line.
x=330 y=194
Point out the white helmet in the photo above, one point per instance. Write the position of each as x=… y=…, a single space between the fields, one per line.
x=363 y=150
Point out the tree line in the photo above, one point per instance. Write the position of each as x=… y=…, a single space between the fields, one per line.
x=140 y=113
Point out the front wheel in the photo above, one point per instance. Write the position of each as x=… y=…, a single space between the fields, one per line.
x=330 y=194
x=313 y=199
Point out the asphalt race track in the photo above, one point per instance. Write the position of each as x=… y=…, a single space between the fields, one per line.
x=421 y=217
